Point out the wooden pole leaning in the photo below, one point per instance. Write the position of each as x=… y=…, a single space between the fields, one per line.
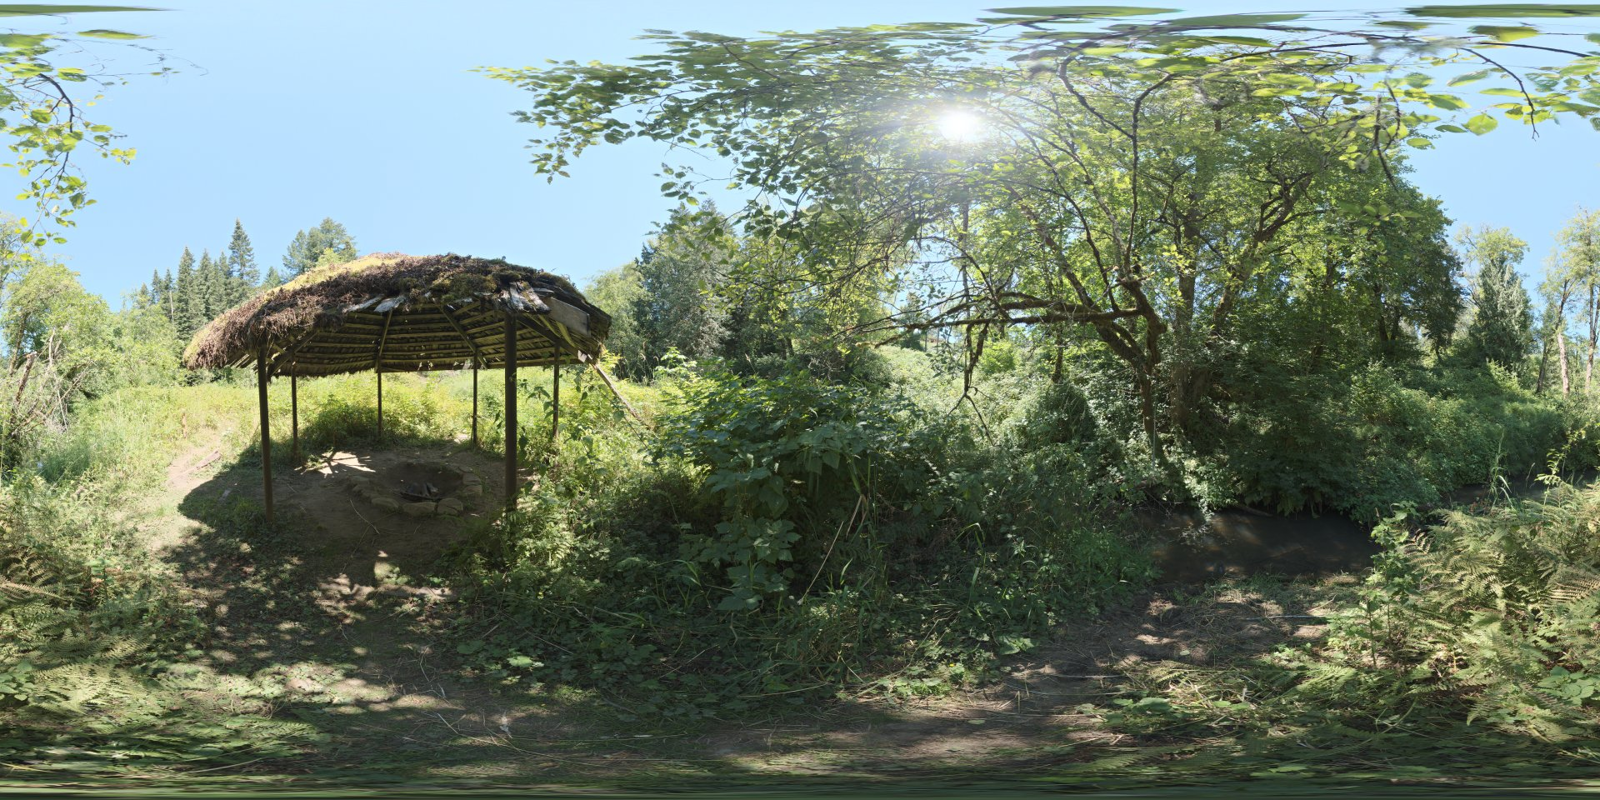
x=262 y=376
x=555 y=401
x=511 y=412
x=380 y=401
x=474 y=402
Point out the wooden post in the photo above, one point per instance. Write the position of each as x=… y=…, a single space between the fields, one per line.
x=377 y=366
x=474 y=402
x=294 y=417
x=262 y=376
x=555 y=401
x=511 y=412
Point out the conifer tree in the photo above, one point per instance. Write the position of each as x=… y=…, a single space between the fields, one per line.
x=328 y=242
x=244 y=276
x=157 y=296
x=188 y=310
x=212 y=287
x=1501 y=330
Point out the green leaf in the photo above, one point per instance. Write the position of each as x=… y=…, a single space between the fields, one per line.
x=1482 y=124
x=1405 y=24
x=35 y=9
x=1502 y=91
x=1233 y=20
x=1470 y=77
x=1506 y=10
x=1420 y=143
x=1242 y=41
x=1505 y=33
x=1081 y=11
x=1593 y=37
x=1447 y=102
x=101 y=33
x=21 y=39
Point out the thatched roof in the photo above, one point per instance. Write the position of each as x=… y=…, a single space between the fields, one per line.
x=405 y=314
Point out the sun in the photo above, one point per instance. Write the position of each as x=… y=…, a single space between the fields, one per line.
x=960 y=126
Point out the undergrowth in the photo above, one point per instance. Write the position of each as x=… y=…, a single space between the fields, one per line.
x=1472 y=649
x=785 y=539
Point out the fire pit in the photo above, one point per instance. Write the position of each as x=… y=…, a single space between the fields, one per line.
x=419 y=489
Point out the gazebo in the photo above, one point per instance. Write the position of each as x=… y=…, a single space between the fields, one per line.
x=389 y=312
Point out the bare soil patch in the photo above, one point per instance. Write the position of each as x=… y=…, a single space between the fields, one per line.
x=335 y=620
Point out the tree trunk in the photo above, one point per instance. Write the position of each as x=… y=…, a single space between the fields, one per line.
x=1594 y=330
x=1561 y=355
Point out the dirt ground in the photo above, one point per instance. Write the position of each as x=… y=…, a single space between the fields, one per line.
x=337 y=625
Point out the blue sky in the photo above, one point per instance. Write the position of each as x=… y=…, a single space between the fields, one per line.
x=369 y=112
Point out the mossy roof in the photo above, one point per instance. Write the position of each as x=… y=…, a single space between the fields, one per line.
x=399 y=313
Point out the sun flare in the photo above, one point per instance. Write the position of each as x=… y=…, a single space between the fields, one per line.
x=960 y=126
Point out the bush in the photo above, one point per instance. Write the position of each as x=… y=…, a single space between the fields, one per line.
x=786 y=537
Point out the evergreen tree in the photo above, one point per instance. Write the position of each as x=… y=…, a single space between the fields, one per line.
x=157 y=294
x=272 y=278
x=188 y=311
x=1501 y=330
x=328 y=242
x=211 y=281
x=243 y=274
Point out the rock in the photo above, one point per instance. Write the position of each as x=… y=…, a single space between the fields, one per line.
x=469 y=479
x=472 y=490
x=386 y=503
x=423 y=509
x=452 y=504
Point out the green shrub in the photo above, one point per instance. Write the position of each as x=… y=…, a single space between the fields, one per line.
x=787 y=537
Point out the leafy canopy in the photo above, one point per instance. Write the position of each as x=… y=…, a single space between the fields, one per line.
x=42 y=111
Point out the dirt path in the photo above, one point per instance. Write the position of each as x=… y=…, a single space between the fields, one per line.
x=333 y=625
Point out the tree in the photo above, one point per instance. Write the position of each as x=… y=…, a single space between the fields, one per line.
x=677 y=307
x=1501 y=329
x=328 y=242
x=211 y=287
x=1557 y=290
x=616 y=291
x=1145 y=183
x=188 y=312
x=243 y=274
x=1578 y=251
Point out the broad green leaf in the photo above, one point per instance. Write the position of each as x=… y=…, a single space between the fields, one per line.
x=1242 y=41
x=1482 y=124
x=101 y=33
x=37 y=9
x=1405 y=24
x=1082 y=11
x=1507 y=10
x=1233 y=20
x=1502 y=91
x=1420 y=143
x=1593 y=37
x=1470 y=77
x=1505 y=33
x=21 y=39
x=1446 y=102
